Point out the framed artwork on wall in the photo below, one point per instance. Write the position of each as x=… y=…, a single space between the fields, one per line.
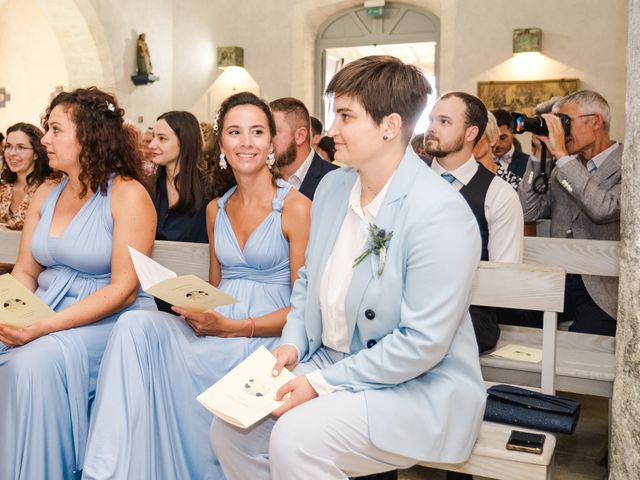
x=523 y=96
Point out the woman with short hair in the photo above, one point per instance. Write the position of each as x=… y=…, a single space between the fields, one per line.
x=379 y=332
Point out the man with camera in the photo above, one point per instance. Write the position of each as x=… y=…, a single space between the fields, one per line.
x=583 y=199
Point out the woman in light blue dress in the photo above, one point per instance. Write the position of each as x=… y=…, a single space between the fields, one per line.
x=147 y=423
x=73 y=254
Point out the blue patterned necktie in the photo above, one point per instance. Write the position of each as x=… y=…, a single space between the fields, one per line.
x=448 y=177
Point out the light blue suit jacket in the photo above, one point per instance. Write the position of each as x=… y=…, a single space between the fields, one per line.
x=417 y=359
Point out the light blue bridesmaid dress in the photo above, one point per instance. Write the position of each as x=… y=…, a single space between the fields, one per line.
x=147 y=423
x=47 y=386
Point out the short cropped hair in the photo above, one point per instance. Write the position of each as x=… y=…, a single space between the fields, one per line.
x=316 y=126
x=546 y=107
x=492 y=130
x=475 y=112
x=590 y=102
x=502 y=117
x=295 y=111
x=384 y=85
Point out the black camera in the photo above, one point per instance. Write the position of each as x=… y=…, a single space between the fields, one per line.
x=520 y=123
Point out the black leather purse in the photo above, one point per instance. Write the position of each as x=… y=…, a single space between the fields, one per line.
x=526 y=408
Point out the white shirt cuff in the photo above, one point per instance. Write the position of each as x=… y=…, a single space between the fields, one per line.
x=319 y=384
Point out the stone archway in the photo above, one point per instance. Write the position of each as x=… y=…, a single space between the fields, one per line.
x=82 y=41
x=309 y=16
x=353 y=27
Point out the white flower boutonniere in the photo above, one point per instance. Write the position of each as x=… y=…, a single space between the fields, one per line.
x=378 y=242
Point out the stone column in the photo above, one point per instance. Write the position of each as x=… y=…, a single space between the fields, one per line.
x=625 y=439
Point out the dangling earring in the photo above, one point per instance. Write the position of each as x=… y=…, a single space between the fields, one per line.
x=271 y=159
x=223 y=161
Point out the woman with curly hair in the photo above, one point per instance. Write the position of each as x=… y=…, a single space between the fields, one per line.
x=73 y=255
x=26 y=168
x=147 y=422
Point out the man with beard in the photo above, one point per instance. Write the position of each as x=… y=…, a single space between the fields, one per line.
x=458 y=121
x=583 y=200
x=298 y=163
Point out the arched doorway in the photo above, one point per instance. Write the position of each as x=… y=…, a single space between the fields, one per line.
x=402 y=30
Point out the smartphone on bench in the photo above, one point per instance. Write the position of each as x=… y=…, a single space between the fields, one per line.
x=526 y=442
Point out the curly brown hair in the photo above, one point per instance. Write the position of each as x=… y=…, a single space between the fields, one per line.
x=108 y=146
x=41 y=169
x=223 y=179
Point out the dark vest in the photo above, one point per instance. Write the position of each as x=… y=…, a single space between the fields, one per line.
x=518 y=163
x=475 y=193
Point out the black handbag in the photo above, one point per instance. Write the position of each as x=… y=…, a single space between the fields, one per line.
x=526 y=408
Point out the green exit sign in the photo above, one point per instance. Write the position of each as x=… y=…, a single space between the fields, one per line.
x=374 y=11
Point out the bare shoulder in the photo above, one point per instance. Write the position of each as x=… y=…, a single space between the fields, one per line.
x=296 y=204
x=127 y=189
x=212 y=208
x=43 y=191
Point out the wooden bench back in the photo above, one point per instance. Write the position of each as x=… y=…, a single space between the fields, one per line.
x=589 y=257
x=531 y=287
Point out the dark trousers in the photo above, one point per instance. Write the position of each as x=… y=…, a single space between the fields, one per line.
x=392 y=475
x=586 y=315
x=485 y=325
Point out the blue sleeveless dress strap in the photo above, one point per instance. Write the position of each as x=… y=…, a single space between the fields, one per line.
x=147 y=422
x=49 y=384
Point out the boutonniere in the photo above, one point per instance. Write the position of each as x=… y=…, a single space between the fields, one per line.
x=378 y=242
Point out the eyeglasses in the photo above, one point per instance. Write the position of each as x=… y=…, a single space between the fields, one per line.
x=580 y=116
x=19 y=148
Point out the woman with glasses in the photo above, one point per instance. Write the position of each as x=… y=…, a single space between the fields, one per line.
x=26 y=168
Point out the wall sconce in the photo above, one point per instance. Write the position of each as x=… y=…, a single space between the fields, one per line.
x=527 y=40
x=233 y=79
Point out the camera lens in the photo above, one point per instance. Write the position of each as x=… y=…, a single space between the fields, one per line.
x=520 y=123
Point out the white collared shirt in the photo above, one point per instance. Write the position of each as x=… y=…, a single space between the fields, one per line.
x=505 y=160
x=297 y=178
x=502 y=210
x=336 y=279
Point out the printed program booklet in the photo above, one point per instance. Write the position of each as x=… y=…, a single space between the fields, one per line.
x=247 y=393
x=187 y=291
x=519 y=352
x=19 y=307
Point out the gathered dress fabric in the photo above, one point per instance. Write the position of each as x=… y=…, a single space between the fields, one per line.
x=47 y=386
x=147 y=423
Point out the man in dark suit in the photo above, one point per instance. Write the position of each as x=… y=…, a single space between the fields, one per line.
x=299 y=164
x=507 y=156
x=583 y=200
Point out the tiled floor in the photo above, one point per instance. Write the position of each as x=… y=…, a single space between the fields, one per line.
x=578 y=456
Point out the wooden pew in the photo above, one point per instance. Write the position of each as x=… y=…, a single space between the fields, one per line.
x=534 y=287
x=531 y=287
x=585 y=363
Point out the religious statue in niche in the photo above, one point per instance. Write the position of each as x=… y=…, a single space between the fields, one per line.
x=143 y=57
x=143 y=61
